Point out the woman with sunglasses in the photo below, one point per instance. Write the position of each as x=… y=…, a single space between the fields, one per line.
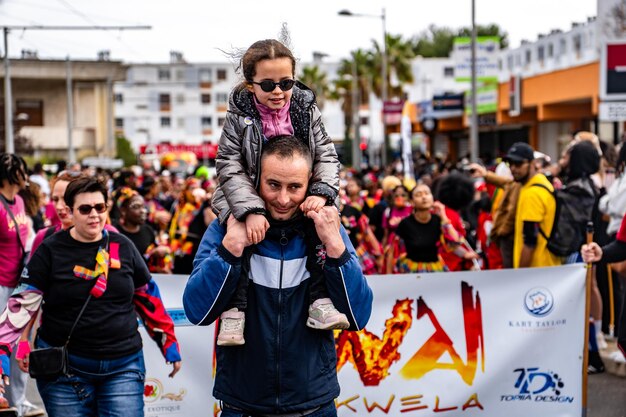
x=269 y=103
x=58 y=187
x=87 y=266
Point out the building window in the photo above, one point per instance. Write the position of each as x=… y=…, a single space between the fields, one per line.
x=221 y=98
x=141 y=107
x=180 y=123
x=550 y=50
x=364 y=120
x=180 y=98
x=528 y=57
x=509 y=62
x=578 y=43
x=205 y=75
x=518 y=60
x=164 y=102
x=205 y=98
x=180 y=75
x=206 y=121
x=119 y=123
x=118 y=98
x=541 y=51
x=221 y=75
x=164 y=98
x=563 y=48
x=166 y=122
x=29 y=112
x=221 y=121
x=448 y=72
x=164 y=74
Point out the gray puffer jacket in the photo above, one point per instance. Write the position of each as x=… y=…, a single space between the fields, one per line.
x=239 y=153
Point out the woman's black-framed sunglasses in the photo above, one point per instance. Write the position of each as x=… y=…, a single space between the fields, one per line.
x=268 y=85
x=85 y=209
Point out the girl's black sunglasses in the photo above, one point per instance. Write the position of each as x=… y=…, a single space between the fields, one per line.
x=268 y=85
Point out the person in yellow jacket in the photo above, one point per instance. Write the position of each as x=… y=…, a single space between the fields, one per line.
x=536 y=208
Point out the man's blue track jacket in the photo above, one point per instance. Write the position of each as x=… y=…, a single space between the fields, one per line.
x=284 y=366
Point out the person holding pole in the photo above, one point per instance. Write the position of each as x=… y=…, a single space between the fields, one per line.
x=613 y=252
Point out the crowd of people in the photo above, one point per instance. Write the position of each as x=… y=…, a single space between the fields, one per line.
x=262 y=238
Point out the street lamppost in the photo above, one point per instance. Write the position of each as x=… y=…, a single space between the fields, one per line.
x=383 y=72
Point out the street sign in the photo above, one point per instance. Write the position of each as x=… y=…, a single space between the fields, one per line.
x=612 y=111
x=448 y=102
x=613 y=71
x=487 y=54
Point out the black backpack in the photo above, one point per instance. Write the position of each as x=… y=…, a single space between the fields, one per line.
x=574 y=209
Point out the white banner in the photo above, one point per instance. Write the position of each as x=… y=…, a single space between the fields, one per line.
x=491 y=343
x=188 y=394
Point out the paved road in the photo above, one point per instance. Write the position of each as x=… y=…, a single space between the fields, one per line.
x=606 y=396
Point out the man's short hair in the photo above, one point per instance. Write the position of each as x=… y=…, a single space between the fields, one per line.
x=287 y=146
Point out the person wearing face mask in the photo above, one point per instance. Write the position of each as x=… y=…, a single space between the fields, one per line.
x=393 y=215
x=399 y=208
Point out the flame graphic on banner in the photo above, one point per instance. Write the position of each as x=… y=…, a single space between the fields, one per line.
x=426 y=358
x=370 y=355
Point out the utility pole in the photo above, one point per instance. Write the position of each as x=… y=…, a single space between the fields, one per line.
x=473 y=142
x=356 y=138
x=109 y=123
x=71 y=154
x=8 y=101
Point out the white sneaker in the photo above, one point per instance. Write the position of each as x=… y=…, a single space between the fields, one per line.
x=617 y=356
x=232 y=323
x=324 y=316
x=28 y=409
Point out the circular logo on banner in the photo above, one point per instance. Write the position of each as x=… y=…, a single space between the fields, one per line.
x=152 y=390
x=539 y=301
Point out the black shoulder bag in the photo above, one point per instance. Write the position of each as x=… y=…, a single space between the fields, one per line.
x=52 y=362
x=17 y=232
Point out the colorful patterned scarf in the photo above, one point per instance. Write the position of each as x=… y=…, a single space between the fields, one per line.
x=101 y=272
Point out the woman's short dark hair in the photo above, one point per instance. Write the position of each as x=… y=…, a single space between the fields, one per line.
x=455 y=190
x=81 y=186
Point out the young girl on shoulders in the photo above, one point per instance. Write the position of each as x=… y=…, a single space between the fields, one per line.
x=270 y=103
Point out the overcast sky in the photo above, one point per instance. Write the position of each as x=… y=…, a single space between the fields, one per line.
x=200 y=28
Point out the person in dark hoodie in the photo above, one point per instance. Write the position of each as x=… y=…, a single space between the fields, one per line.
x=579 y=163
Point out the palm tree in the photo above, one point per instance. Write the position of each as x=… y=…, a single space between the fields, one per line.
x=314 y=78
x=343 y=85
x=399 y=56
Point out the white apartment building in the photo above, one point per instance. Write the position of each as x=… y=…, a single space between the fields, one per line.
x=176 y=102
x=185 y=103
